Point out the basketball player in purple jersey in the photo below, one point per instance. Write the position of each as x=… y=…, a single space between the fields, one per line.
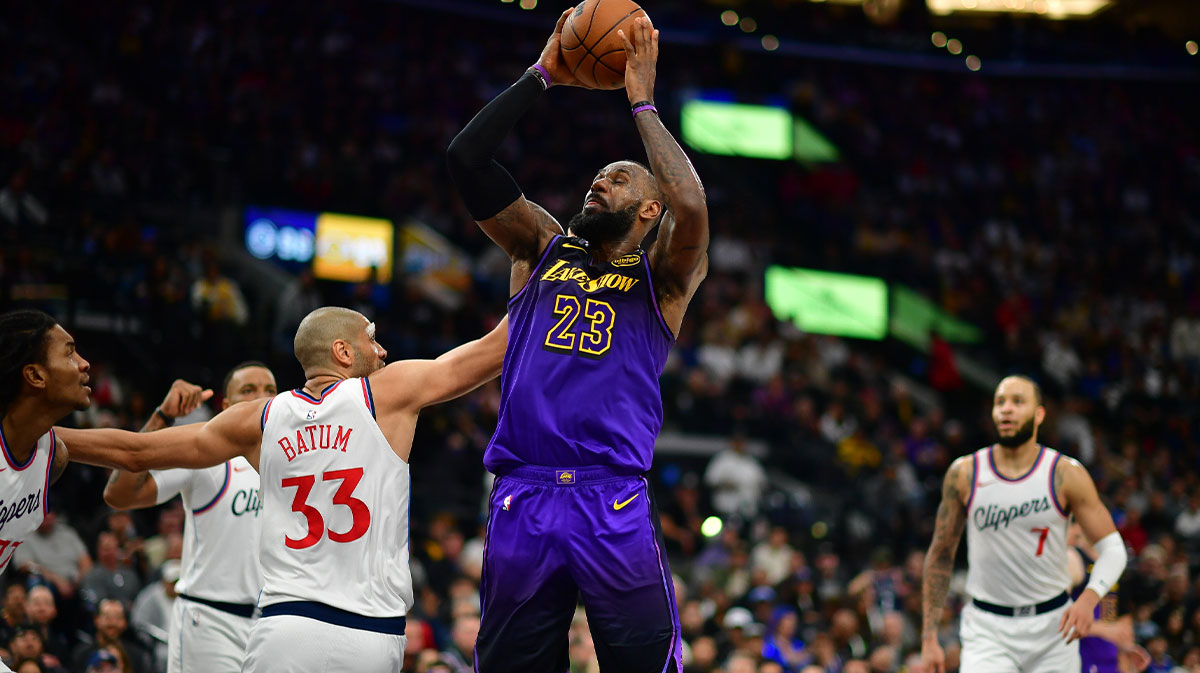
x=1111 y=635
x=593 y=316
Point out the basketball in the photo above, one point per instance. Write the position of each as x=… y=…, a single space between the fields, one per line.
x=591 y=48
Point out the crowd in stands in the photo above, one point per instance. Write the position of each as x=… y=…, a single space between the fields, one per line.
x=1059 y=216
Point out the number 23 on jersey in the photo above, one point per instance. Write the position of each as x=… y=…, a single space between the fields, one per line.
x=592 y=338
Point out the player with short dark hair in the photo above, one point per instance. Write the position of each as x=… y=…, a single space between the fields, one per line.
x=220 y=580
x=1015 y=500
x=333 y=459
x=42 y=379
x=594 y=316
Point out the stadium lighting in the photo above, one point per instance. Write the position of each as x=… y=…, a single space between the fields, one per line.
x=528 y=4
x=1054 y=9
x=711 y=527
x=748 y=25
x=770 y=42
x=973 y=63
x=954 y=47
x=729 y=17
x=938 y=39
x=1192 y=47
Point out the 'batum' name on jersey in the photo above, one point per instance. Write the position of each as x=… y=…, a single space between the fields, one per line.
x=319 y=437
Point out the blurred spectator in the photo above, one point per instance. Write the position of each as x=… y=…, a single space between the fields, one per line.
x=112 y=632
x=26 y=643
x=109 y=578
x=737 y=481
x=42 y=611
x=13 y=611
x=152 y=612
x=56 y=553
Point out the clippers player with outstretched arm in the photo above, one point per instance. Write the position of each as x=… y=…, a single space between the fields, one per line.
x=220 y=578
x=593 y=316
x=333 y=460
x=1015 y=500
x=42 y=379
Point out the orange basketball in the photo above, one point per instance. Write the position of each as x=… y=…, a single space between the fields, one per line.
x=591 y=48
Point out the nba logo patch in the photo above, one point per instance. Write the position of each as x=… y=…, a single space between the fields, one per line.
x=507 y=502
x=566 y=476
x=310 y=415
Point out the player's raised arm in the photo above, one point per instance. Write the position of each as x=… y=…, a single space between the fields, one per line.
x=680 y=255
x=237 y=431
x=415 y=384
x=491 y=195
x=939 y=561
x=134 y=490
x=1078 y=492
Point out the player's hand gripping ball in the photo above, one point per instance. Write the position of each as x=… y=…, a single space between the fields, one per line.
x=590 y=47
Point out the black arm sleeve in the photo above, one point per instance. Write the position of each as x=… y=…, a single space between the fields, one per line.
x=485 y=186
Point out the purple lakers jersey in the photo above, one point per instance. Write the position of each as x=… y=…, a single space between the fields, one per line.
x=1097 y=654
x=586 y=346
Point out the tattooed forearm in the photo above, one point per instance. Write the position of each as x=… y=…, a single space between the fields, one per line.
x=939 y=562
x=676 y=176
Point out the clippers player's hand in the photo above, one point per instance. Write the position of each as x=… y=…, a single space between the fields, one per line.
x=183 y=398
x=1077 y=621
x=551 y=58
x=641 y=64
x=933 y=657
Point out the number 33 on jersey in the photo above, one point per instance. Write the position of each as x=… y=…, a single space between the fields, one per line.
x=339 y=501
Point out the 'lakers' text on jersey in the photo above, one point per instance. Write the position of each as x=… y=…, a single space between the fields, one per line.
x=335 y=528
x=1016 y=533
x=586 y=346
x=23 y=494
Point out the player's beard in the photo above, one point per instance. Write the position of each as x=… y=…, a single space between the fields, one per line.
x=365 y=364
x=1022 y=435
x=603 y=226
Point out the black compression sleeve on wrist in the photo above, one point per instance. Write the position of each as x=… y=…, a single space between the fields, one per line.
x=485 y=186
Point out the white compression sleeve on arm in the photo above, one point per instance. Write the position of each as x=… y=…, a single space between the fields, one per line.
x=1109 y=565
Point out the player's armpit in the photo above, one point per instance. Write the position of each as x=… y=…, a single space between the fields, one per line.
x=412 y=385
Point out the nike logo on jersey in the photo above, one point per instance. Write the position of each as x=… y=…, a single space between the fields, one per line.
x=243 y=468
x=619 y=505
x=981 y=484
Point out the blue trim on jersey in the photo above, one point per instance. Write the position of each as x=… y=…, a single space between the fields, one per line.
x=974 y=477
x=537 y=267
x=266 y=412
x=370 y=397
x=331 y=615
x=8 y=454
x=1054 y=496
x=992 y=463
x=224 y=487
x=49 y=468
x=299 y=392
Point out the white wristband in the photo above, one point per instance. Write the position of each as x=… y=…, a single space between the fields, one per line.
x=1109 y=564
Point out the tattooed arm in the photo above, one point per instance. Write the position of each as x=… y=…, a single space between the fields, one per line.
x=679 y=257
x=939 y=562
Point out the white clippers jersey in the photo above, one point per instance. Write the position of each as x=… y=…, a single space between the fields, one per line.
x=1016 y=534
x=24 y=493
x=335 y=528
x=220 y=530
